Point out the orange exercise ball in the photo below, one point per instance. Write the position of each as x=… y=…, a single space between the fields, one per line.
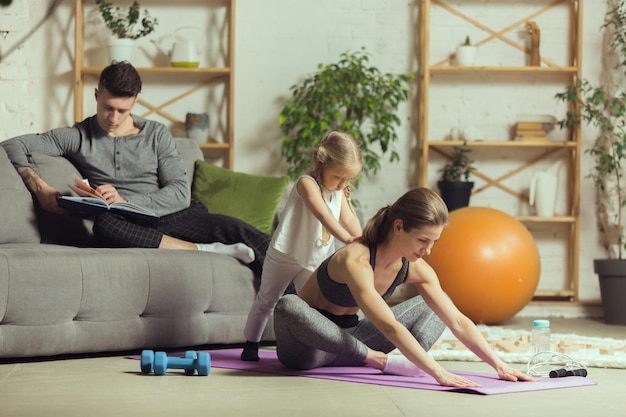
x=487 y=263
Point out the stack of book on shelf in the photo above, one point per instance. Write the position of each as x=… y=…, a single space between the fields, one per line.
x=534 y=127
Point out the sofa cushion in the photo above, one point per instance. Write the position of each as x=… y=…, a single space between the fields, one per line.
x=17 y=212
x=251 y=198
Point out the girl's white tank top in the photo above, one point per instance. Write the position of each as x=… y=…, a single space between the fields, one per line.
x=299 y=232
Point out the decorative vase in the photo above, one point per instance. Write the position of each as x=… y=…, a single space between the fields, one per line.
x=542 y=194
x=197 y=125
x=543 y=190
x=121 y=49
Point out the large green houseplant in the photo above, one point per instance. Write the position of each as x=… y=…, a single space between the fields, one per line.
x=351 y=96
x=604 y=107
x=454 y=185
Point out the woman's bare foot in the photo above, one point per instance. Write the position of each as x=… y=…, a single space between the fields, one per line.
x=376 y=359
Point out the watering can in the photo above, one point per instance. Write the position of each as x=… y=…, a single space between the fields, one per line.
x=187 y=44
x=543 y=187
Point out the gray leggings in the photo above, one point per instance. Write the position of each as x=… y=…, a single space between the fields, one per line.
x=306 y=339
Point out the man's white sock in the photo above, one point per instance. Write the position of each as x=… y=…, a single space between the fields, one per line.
x=397 y=364
x=238 y=250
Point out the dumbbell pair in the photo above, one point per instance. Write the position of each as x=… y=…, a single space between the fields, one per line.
x=159 y=362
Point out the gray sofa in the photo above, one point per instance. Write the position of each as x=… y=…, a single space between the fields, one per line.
x=60 y=294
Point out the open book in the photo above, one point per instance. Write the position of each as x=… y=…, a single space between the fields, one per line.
x=90 y=202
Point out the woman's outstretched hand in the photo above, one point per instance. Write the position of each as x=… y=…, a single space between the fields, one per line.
x=505 y=372
x=509 y=374
x=448 y=379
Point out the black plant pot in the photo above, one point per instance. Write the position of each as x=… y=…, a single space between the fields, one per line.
x=612 y=277
x=455 y=194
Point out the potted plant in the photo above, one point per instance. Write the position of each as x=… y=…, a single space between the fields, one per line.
x=466 y=53
x=126 y=25
x=454 y=185
x=604 y=107
x=351 y=96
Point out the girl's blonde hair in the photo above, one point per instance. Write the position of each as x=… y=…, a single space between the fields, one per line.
x=417 y=208
x=337 y=149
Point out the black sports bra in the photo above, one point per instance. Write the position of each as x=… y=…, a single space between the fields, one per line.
x=340 y=294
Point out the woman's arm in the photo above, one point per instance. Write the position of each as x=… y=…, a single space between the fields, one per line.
x=360 y=280
x=310 y=193
x=460 y=325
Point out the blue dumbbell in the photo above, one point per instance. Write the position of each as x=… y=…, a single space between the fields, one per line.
x=160 y=362
x=147 y=361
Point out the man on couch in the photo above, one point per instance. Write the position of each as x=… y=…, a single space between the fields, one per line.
x=128 y=158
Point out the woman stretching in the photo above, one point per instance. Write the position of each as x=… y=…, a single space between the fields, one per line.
x=320 y=327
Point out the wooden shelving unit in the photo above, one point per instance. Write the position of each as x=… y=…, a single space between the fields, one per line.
x=190 y=80
x=531 y=153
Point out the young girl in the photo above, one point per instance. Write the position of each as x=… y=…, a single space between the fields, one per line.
x=317 y=212
x=320 y=327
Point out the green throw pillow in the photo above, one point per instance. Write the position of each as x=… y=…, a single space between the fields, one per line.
x=251 y=198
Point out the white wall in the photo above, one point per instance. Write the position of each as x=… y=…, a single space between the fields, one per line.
x=277 y=47
x=278 y=42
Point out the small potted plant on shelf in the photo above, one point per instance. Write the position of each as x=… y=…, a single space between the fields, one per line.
x=604 y=107
x=466 y=53
x=351 y=96
x=126 y=26
x=454 y=185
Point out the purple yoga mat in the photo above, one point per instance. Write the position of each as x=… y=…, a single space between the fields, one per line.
x=490 y=384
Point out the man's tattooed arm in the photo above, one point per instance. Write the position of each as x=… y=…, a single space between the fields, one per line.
x=30 y=178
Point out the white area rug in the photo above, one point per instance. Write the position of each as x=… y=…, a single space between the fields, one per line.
x=513 y=346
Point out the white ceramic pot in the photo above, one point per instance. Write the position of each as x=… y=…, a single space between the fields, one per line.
x=466 y=55
x=121 y=49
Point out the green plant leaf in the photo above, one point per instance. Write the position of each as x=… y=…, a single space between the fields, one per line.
x=126 y=24
x=459 y=166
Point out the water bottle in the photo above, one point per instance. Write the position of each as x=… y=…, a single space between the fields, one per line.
x=540 y=336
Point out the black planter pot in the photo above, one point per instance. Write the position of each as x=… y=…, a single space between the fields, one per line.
x=455 y=194
x=612 y=277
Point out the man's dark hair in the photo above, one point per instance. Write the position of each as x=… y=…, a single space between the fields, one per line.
x=120 y=79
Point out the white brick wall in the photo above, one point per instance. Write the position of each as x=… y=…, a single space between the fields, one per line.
x=278 y=42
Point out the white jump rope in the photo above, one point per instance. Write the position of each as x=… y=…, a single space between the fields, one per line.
x=553 y=364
